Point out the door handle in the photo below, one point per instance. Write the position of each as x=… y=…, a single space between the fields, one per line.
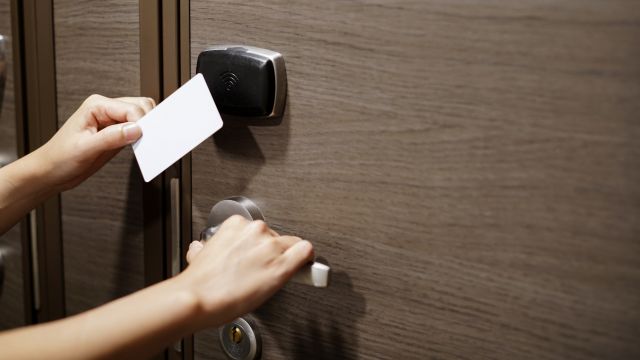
x=315 y=274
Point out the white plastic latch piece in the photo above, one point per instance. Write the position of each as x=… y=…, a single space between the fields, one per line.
x=316 y=274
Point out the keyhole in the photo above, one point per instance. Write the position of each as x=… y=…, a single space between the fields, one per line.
x=235 y=334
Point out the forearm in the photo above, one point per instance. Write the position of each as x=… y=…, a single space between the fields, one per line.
x=86 y=141
x=134 y=327
x=23 y=185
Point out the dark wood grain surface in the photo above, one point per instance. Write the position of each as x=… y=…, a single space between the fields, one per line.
x=11 y=291
x=97 y=51
x=469 y=170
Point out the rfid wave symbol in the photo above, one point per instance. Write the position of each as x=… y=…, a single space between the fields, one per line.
x=229 y=79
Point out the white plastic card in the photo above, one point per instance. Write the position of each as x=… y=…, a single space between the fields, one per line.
x=176 y=126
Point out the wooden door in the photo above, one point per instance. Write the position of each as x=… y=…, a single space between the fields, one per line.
x=469 y=170
x=97 y=51
x=12 y=312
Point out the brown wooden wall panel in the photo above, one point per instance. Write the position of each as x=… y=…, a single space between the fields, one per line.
x=469 y=170
x=97 y=51
x=11 y=294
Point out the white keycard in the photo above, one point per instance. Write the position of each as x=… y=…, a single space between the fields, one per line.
x=177 y=125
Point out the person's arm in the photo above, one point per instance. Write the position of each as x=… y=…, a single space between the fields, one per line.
x=232 y=274
x=132 y=327
x=23 y=185
x=87 y=140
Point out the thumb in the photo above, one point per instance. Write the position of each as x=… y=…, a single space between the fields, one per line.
x=115 y=136
x=194 y=248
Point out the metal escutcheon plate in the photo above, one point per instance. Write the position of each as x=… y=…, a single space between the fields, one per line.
x=236 y=205
x=245 y=346
x=222 y=210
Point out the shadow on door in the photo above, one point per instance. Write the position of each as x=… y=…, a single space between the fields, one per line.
x=324 y=321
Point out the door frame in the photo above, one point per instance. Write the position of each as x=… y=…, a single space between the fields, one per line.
x=36 y=121
x=164 y=67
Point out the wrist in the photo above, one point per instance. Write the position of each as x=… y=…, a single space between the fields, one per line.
x=28 y=178
x=43 y=167
x=210 y=308
x=185 y=302
x=23 y=185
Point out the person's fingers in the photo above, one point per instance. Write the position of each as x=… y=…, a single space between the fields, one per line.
x=114 y=137
x=275 y=245
x=194 y=248
x=108 y=111
x=294 y=257
x=257 y=228
x=287 y=241
x=233 y=222
x=147 y=104
x=273 y=232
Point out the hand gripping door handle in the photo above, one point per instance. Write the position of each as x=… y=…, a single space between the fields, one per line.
x=315 y=274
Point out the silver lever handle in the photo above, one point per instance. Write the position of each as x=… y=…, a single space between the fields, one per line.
x=315 y=274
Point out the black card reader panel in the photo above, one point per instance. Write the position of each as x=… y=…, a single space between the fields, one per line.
x=244 y=81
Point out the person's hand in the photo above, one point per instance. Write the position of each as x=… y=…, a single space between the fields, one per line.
x=240 y=267
x=91 y=137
